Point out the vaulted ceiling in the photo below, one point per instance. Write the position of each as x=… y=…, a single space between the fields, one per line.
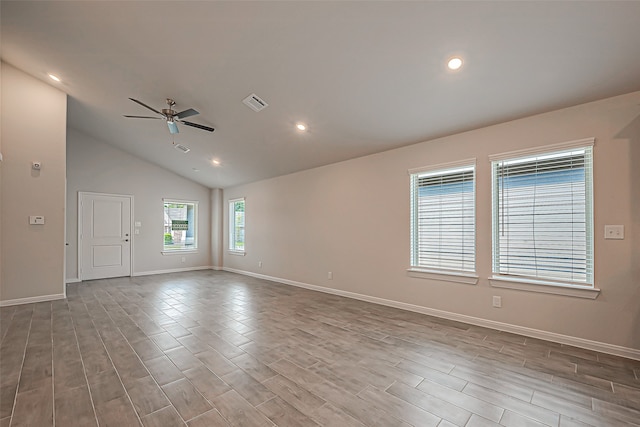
x=364 y=76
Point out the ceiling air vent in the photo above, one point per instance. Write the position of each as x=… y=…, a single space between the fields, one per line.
x=182 y=148
x=255 y=103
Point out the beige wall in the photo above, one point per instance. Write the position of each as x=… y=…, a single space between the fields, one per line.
x=94 y=166
x=217 y=203
x=33 y=129
x=352 y=218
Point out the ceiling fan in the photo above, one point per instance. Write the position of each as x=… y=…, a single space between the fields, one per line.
x=171 y=116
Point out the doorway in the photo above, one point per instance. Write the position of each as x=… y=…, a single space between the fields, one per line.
x=104 y=235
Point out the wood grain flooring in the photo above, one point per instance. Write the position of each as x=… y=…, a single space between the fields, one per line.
x=219 y=349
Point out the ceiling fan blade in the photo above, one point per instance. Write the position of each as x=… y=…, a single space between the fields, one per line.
x=173 y=127
x=146 y=106
x=186 y=113
x=144 y=117
x=196 y=125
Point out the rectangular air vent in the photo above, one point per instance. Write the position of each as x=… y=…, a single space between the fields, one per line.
x=182 y=148
x=256 y=104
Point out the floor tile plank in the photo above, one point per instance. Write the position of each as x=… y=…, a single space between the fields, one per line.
x=34 y=407
x=74 y=408
x=432 y=404
x=295 y=395
x=117 y=412
x=253 y=391
x=522 y=407
x=463 y=400
x=398 y=408
x=207 y=383
x=147 y=396
x=186 y=399
x=285 y=415
x=209 y=419
x=238 y=412
x=166 y=417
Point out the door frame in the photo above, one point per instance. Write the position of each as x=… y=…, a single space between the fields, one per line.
x=81 y=195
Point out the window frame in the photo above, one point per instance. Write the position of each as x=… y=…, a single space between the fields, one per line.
x=426 y=272
x=580 y=289
x=232 y=249
x=182 y=250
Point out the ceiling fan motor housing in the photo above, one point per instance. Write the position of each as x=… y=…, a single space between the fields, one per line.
x=169 y=112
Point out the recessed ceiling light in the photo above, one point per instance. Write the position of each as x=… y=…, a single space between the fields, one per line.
x=216 y=162
x=454 y=63
x=301 y=127
x=54 y=78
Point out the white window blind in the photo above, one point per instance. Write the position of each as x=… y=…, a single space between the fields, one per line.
x=543 y=216
x=443 y=219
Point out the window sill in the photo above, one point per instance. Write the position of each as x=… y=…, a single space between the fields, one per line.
x=446 y=276
x=547 y=287
x=237 y=253
x=179 y=251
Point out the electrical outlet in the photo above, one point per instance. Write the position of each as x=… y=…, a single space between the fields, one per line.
x=497 y=302
x=260 y=264
x=614 y=232
x=330 y=275
x=184 y=259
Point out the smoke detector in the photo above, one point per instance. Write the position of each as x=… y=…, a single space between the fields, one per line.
x=255 y=103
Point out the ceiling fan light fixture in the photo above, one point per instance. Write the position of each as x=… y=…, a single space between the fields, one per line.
x=173 y=127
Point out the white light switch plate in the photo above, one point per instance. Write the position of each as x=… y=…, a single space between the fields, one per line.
x=36 y=219
x=614 y=232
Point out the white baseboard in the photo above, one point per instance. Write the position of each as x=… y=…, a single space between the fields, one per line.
x=217 y=268
x=171 y=270
x=30 y=300
x=616 y=350
x=72 y=280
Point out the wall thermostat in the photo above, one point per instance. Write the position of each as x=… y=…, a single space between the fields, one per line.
x=36 y=165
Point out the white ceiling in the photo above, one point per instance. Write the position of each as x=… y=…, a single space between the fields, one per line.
x=365 y=76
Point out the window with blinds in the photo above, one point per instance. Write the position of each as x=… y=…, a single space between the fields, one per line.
x=443 y=219
x=543 y=216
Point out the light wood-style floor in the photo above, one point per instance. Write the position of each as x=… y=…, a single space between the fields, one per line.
x=219 y=349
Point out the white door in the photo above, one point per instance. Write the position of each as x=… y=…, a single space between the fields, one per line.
x=104 y=236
